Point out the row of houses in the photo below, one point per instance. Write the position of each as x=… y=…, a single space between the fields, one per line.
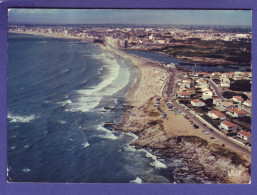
x=231 y=127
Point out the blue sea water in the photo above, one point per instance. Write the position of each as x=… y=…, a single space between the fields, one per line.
x=57 y=91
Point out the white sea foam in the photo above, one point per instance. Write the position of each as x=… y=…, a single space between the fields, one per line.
x=63 y=103
x=25 y=170
x=20 y=119
x=114 y=80
x=108 y=134
x=26 y=146
x=86 y=144
x=132 y=135
x=137 y=180
x=157 y=164
x=13 y=147
x=129 y=148
x=62 y=122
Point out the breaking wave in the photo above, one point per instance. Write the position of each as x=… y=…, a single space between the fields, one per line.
x=108 y=134
x=20 y=119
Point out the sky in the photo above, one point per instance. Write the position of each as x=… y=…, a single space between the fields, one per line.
x=129 y=16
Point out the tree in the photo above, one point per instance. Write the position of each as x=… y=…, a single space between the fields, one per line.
x=241 y=85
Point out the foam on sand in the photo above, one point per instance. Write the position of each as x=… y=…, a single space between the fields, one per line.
x=108 y=134
x=20 y=119
x=137 y=180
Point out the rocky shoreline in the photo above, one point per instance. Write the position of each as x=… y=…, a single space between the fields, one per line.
x=204 y=160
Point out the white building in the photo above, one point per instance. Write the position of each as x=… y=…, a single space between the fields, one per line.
x=248 y=103
x=207 y=94
x=217 y=101
x=184 y=94
x=197 y=103
x=236 y=113
x=228 y=126
x=238 y=99
x=244 y=135
x=214 y=114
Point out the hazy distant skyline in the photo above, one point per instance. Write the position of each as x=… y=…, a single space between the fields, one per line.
x=129 y=16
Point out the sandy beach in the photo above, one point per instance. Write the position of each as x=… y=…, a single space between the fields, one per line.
x=161 y=134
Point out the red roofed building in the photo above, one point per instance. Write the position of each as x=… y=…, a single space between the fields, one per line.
x=216 y=101
x=184 y=94
x=228 y=126
x=197 y=103
x=236 y=113
x=226 y=105
x=214 y=114
x=244 y=135
x=248 y=103
x=237 y=99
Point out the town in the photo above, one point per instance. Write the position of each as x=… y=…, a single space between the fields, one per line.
x=196 y=44
x=217 y=102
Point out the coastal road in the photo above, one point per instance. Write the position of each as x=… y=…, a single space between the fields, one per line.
x=222 y=139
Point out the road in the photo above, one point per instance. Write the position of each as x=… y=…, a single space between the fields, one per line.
x=215 y=88
x=222 y=139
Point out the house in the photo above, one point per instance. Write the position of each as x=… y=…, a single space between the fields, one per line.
x=214 y=114
x=226 y=105
x=237 y=78
x=185 y=85
x=239 y=73
x=197 y=103
x=228 y=126
x=203 y=74
x=236 y=113
x=227 y=75
x=207 y=94
x=217 y=101
x=248 y=103
x=225 y=82
x=238 y=99
x=201 y=83
x=184 y=94
x=244 y=135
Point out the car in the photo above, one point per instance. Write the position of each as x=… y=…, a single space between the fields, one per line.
x=223 y=145
x=212 y=138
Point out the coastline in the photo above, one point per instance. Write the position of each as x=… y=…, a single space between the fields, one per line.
x=161 y=135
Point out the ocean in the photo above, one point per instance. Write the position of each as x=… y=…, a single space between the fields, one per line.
x=58 y=90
